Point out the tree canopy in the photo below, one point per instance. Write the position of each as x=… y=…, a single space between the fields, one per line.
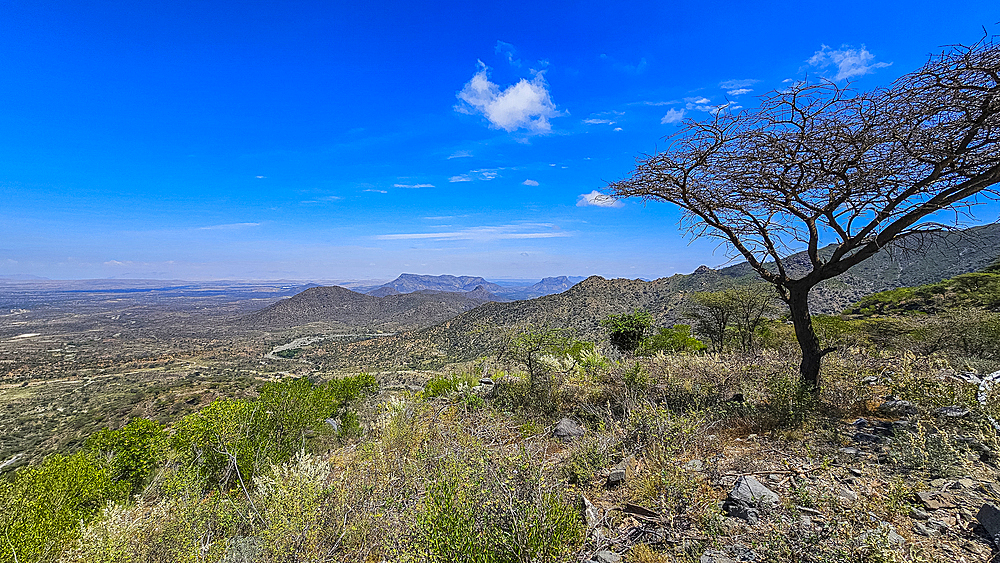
x=820 y=163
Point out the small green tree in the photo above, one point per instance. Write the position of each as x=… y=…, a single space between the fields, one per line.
x=751 y=306
x=674 y=340
x=712 y=314
x=529 y=346
x=627 y=330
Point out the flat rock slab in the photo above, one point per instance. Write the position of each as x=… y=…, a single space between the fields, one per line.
x=934 y=500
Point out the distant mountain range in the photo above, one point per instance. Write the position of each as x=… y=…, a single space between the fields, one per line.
x=409 y=283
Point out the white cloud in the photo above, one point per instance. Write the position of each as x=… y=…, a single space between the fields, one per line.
x=735 y=84
x=850 y=62
x=260 y=177
x=482 y=174
x=525 y=105
x=598 y=121
x=597 y=199
x=485 y=233
x=460 y=154
x=673 y=116
x=704 y=104
x=413 y=185
x=739 y=91
x=376 y=191
x=530 y=183
x=228 y=226
x=508 y=51
x=618 y=129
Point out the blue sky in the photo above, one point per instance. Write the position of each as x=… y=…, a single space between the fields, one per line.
x=354 y=140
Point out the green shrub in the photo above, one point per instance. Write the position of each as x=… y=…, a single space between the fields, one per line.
x=132 y=452
x=674 y=340
x=505 y=518
x=627 y=330
x=443 y=385
x=790 y=402
x=231 y=440
x=291 y=504
x=42 y=507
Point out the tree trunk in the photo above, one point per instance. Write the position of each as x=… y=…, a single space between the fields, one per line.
x=798 y=305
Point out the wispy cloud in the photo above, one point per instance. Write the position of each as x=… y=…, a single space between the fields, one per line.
x=704 y=104
x=412 y=186
x=460 y=154
x=530 y=183
x=228 y=226
x=373 y=190
x=482 y=174
x=508 y=51
x=598 y=121
x=485 y=233
x=737 y=83
x=525 y=105
x=739 y=91
x=673 y=116
x=597 y=199
x=850 y=62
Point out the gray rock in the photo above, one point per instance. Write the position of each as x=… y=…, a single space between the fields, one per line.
x=616 y=477
x=847 y=495
x=899 y=407
x=694 y=465
x=622 y=471
x=715 y=556
x=849 y=451
x=989 y=517
x=953 y=411
x=965 y=483
x=855 y=471
x=892 y=536
x=751 y=492
x=485 y=390
x=334 y=423
x=567 y=429
x=605 y=556
x=735 y=509
x=732 y=554
x=918 y=514
x=865 y=438
x=590 y=513
x=925 y=531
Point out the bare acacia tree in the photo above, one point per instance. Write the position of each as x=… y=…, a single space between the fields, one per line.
x=819 y=163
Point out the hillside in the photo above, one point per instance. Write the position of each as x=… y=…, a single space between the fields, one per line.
x=340 y=308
